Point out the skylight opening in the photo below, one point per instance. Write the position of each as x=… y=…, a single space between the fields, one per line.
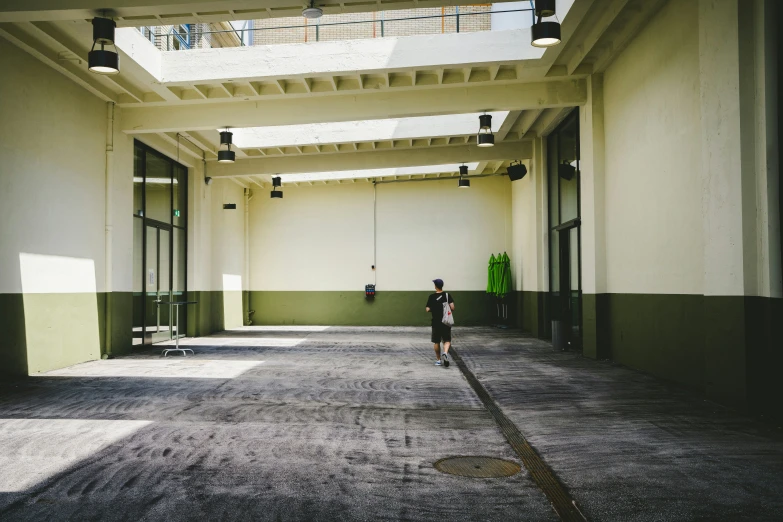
x=450 y=168
x=361 y=131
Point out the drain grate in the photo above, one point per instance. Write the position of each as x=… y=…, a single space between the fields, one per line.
x=478 y=467
x=541 y=474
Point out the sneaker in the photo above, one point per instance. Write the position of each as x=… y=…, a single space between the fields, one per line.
x=445 y=358
x=438 y=363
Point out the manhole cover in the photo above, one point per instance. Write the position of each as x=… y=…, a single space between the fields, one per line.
x=479 y=467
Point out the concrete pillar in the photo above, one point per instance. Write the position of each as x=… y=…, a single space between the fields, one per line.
x=735 y=183
x=538 y=325
x=593 y=239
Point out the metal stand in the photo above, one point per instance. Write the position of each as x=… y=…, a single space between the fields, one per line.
x=176 y=325
x=502 y=310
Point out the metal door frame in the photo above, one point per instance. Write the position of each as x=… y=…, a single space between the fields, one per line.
x=170 y=227
x=158 y=226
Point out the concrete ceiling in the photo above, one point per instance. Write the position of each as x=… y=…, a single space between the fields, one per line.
x=175 y=101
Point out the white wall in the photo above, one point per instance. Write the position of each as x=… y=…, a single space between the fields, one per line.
x=525 y=238
x=321 y=237
x=654 y=234
x=52 y=144
x=65 y=233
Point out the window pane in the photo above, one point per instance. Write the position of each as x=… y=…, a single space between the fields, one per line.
x=575 y=305
x=138 y=281
x=138 y=181
x=158 y=188
x=574 y=261
x=554 y=186
x=178 y=290
x=554 y=262
x=180 y=196
x=179 y=264
x=567 y=171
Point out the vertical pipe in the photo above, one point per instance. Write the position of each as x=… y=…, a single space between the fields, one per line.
x=246 y=293
x=375 y=232
x=443 y=20
x=109 y=187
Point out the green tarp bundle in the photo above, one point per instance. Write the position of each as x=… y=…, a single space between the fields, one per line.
x=499 y=275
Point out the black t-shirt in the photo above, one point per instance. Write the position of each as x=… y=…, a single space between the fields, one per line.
x=435 y=304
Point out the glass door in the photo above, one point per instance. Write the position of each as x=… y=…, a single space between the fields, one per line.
x=160 y=206
x=567 y=297
x=565 y=288
x=157 y=322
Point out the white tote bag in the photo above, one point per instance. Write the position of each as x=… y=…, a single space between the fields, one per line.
x=448 y=316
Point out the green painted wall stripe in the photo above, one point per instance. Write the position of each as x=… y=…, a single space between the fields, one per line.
x=728 y=348
x=352 y=309
x=48 y=331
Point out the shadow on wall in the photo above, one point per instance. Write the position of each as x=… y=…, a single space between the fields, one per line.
x=60 y=311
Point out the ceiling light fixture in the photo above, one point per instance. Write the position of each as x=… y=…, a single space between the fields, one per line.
x=277 y=182
x=102 y=61
x=312 y=11
x=545 y=34
x=463 y=171
x=485 y=136
x=227 y=155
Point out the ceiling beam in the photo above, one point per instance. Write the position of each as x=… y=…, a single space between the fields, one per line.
x=615 y=43
x=548 y=120
x=507 y=125
x=15 y=34
x=184 y=145
x=164 y=146
x=526 y=121
x=69 y=45
x=569 y=26
x=201 y=142
x=370 y=105
x=481 y=166
x=239 y=182
x=366 y=160
x=595 y=31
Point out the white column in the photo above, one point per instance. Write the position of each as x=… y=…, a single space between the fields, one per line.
x=592 y=179
x=722 y=159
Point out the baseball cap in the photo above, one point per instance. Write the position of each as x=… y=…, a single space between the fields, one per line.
x=438 y=282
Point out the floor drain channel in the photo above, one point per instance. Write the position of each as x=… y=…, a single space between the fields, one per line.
x=478 y=467
x=541 y=474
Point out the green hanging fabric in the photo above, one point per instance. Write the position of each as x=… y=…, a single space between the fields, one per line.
x=491 y=275
x=504 y=278
x=498 y=273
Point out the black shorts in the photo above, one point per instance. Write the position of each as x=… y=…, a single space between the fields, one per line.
x=441 y=332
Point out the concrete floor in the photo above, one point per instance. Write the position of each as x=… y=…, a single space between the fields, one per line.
x=345 y=423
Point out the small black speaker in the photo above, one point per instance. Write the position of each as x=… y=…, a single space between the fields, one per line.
x=516 y=171
x=566 y=171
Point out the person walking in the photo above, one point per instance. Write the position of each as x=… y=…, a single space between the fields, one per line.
x=440 y=331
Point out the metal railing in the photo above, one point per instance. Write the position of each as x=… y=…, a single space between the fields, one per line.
x=169 y=39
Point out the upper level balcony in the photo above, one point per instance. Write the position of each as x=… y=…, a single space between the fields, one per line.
x=344 y=26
